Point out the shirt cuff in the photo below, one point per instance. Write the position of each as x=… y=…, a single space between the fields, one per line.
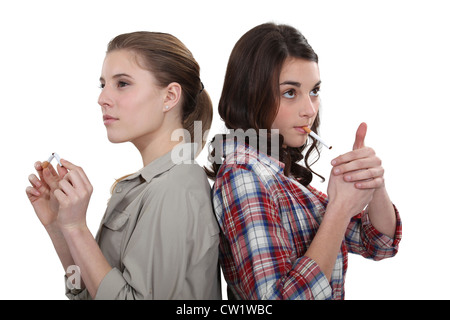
x=111 y=285
x=313 y=278
x=76 y=294
x=382 y=245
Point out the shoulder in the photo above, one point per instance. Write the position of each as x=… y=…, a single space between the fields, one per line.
x=182 y=188
x=253 y=170
x=181 y=194
x=183 y=178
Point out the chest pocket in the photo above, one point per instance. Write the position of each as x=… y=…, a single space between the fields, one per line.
x=117 y=220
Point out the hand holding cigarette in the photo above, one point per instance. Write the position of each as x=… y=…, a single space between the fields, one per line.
x=54 y=155
x=41 y=191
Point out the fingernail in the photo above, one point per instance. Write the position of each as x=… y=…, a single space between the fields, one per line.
x=37 y=183
x=333 y=162
x=337 y=171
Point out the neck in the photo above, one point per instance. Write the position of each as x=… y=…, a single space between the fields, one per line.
x=154 y=147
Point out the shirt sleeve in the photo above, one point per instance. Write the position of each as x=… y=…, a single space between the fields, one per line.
x=76 y=294
x=362 y=238
x=259 y=244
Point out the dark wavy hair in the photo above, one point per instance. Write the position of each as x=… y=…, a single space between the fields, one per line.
x=251 y=95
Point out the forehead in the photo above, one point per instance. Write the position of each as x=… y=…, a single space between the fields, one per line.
x=300 y=70
x=121 y=61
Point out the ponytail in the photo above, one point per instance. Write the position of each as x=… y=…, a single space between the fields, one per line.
x=203 y=113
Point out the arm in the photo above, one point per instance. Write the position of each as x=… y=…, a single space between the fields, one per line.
x=73 y=196
x=382 y=214
x=44 y=203
x=344 y=203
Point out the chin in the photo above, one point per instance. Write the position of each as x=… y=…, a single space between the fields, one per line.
x=295 y=143
x=115 y=139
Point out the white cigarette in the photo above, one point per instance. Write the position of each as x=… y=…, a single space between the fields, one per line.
x=57 y=158
x=315 y=136
x=54 y=155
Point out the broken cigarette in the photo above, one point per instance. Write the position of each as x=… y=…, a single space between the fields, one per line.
x=54 y=155
x=315 y=136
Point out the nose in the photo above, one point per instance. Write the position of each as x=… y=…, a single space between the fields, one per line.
x=104 y=99
x=308 y=108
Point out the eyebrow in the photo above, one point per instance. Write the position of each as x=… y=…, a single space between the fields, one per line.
x=118 y=76
x=297 y=84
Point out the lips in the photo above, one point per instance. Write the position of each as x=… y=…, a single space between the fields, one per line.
x=107 y=119
x=300 y=128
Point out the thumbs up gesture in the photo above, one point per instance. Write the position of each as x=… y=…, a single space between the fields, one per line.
x=360 y=136
x=360 y=166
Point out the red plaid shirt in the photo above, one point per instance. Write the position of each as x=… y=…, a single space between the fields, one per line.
x=267 y=223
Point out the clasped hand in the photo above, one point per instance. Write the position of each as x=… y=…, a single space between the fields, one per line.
x=60 y=197
x=355 y=176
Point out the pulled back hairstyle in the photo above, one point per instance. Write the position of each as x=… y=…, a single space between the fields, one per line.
x=251 y=95
x=168 y=59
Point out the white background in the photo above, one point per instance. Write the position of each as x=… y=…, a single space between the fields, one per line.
x=382 y=62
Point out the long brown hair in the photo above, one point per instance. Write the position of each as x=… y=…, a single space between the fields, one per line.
x=251 y=94
x=169 y=60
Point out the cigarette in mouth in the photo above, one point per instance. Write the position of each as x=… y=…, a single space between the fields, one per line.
x=315 y=136
x=54 y=155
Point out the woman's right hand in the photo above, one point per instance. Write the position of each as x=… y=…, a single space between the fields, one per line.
x=41 y=192
x=346 y=197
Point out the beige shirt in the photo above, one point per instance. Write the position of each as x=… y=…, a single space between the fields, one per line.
x=160 y=236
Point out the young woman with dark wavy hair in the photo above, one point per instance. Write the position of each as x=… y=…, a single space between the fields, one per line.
x=280 y=237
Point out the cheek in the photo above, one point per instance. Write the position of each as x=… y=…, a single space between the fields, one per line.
x=282 y=119
x=138 y=107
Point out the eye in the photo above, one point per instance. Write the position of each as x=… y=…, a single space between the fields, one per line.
x=290 y=94
x=101 y=86
x=122 y=84
x=315 y=92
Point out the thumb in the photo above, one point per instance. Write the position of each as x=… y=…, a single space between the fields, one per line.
x=62 y=171
x=360 y=136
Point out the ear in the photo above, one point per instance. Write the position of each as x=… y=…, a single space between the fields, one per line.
x=173 y=96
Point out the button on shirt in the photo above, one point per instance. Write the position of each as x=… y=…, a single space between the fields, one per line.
x=160 y=236
x=267 y=223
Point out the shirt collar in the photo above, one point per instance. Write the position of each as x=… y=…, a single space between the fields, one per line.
x=181 y=153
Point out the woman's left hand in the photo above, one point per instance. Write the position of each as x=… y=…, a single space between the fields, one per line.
x=73 y=194
x=360 y=166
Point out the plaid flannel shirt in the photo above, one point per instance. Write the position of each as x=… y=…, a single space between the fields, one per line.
x=267 y=223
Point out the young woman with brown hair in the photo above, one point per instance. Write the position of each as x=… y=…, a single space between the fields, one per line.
x=158 y=238
x=280 y=237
